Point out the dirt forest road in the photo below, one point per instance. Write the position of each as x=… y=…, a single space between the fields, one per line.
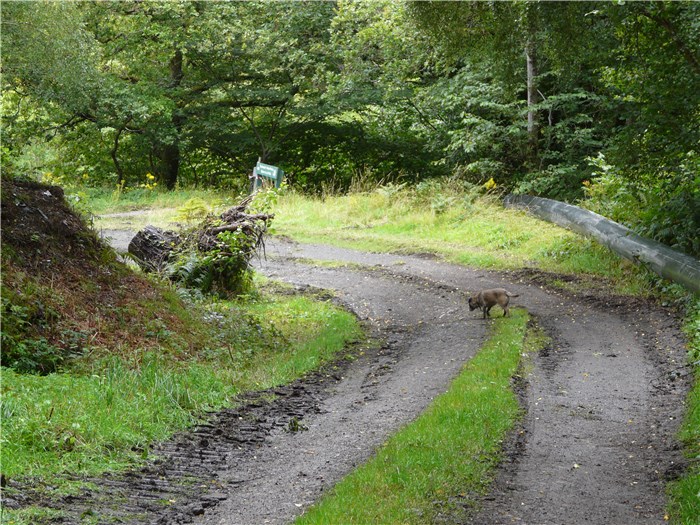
x=596 y=444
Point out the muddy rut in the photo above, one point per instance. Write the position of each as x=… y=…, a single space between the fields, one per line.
x=596 y=444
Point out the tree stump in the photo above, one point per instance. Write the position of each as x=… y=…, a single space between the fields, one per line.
x=213 y=256
x=152 y=248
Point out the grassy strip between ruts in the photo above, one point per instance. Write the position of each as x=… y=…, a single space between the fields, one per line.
x=438 y=465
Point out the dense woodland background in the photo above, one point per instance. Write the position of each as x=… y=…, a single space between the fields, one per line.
x=590 y=102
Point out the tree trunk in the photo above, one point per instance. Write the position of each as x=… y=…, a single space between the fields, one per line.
x=152 y=248
x=533 y=124
x=115 y=158
x=169 y=154
x=170 y=162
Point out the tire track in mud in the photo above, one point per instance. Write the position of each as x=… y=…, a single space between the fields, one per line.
x=596 y=444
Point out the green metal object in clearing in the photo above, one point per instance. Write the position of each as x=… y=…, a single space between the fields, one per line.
x=266 y=171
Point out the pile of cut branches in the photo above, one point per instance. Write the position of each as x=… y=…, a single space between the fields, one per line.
x=252 y=226
x=214 y=256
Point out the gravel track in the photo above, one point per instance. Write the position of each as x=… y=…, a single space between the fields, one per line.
x=596 y=444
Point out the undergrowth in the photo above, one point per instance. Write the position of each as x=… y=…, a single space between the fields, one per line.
x=100 y=201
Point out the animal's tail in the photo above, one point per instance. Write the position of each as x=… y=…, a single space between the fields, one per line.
x=512 y=294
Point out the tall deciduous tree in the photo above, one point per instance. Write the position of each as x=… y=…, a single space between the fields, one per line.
x=209 y=74
x=46 y=52
x=656 y=74
x=49 y=77
x=546 y=55
x=656 y=71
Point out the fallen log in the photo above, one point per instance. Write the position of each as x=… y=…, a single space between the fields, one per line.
x=153 y=248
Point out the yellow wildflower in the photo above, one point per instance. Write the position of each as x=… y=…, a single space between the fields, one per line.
x=489 y=184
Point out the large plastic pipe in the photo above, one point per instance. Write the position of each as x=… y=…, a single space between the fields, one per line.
x=671 y=264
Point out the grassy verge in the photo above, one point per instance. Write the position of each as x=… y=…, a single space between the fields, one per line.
x=684 y=494
x=437 y=465
x=473 y=230
x=103 y=413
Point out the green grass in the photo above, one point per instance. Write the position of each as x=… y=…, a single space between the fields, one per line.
x=89 y=421
x=315 y=334
x=161 y=208
x=437 y=464
x=32 y=516
x=474 y=231
x=101 y=201
x=684 y=494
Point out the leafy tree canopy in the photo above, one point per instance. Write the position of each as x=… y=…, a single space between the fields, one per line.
x=566 y=99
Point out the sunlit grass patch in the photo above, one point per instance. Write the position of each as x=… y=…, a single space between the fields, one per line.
x=315 y=331
x=32 y=516
x=158 y=208
x=437 y=464
x=85 y=424
x=106 y=200
x=475 y=231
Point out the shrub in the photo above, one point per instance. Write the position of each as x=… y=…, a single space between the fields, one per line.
x=663 y=206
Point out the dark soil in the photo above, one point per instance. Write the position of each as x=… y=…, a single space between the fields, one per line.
x=596 y=445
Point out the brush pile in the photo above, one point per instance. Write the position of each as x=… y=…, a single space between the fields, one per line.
x=214 y=256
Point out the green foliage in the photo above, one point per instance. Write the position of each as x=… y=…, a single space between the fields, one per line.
x=194 y=93
x=656 y=73
x=488 y=133
x=48 y=52
x=223 y=271
x=31 y=356
x=194 y=209
x=673 y=214
x=22 y=348
x=664 y=208
x=684 y=503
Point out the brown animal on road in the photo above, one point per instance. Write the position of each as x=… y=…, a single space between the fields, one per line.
x=486 y=299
